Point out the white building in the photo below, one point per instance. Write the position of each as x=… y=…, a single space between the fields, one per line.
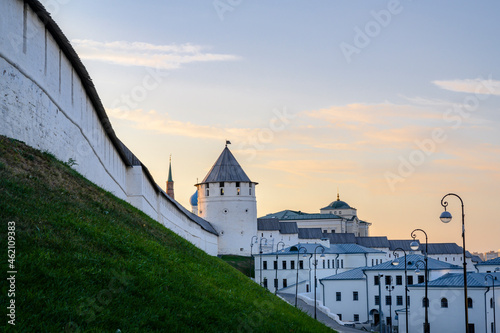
x=447 y=304
x=489 y=266
x=359 y=295
x=279 y=269
x=226 y=198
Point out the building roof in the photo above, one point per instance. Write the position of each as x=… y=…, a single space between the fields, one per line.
x=474 y=280
x=337 y=205
x=353 y=274
x=298 y=215
x=333 y=249
x=443 y=248
x=289 y=228
x=381 y=241
x=194 y=199
x=226 y=169
x=310 y=233
x=340 y=238
x=400 y=243
x=268 y=224
x=495 y=261
x=411 y=260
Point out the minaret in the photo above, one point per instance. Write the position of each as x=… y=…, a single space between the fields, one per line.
x=226 y=198
x=170 y=181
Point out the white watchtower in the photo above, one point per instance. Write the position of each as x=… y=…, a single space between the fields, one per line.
x=226 y=198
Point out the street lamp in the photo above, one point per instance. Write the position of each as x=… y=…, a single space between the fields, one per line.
x=390 y=288
x=260 y=246
x=426 y=300
x=445 y=218
x=380 y=302
x=251 y=255
x=276 y=278
x=395 y=263
x=493 y=278
x=315 y=281
x=414 y=246
x=300 y=248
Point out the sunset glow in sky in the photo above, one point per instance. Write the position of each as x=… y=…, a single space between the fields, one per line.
x=395 y=103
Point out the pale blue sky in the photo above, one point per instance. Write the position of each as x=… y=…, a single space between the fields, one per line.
x=353 y=123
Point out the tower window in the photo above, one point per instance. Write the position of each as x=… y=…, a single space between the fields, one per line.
x=222 y=191
x=237 y=184
x=207 y=192
x=221 y=184
x=250 y=191
x=250 y=185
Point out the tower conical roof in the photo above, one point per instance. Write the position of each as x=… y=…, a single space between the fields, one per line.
x=226 y=169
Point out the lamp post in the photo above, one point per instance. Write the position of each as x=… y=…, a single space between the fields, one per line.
x=315 y=265
x=493 y=278
x=395 y=263
x=300 y=248
x=380 y=302
x=445 y=217
x=390 y=288
x=251 y=244
x=276 y=278
x=426 y=300
x=260 y=251
x=414 y=246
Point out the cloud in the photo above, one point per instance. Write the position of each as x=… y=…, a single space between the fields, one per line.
x=472 y=86
x=162 y=123
x=145 y=54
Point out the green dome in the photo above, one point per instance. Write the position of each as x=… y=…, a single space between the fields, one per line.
x=338 y=205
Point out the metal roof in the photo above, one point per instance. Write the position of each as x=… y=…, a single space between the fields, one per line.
x=373 y=241
x=333 y=249
x=353 y=274
x=338 y=204
x=298 y=215
x=400 y=243
x=411 y=260
x=340 y=238
x=226 y=169
x=443 y=248
x=289 y=228
x=474 y=280
x=495 y=261
x=268 y=224
x=310 y=233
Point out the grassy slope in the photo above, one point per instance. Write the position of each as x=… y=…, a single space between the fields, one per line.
x=88 y=261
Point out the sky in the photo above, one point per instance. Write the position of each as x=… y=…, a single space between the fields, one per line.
x=391 y=103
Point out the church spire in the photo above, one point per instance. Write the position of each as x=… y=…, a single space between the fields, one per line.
x=170 y=181
x=338 y=195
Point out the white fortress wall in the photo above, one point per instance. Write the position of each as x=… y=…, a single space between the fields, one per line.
x=48 y=101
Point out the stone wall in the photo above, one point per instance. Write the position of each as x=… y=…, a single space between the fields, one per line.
x=48 y=101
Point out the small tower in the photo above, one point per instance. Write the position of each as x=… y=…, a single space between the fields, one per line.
x=170 y=181
x=226 y=198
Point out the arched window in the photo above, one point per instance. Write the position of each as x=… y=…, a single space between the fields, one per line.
x=491 y=302
x=469 y=303
x=444 y=302
x=425 y=302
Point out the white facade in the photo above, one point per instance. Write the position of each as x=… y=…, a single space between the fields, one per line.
x=46 y=103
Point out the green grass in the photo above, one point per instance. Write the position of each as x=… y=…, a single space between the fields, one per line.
x=89 y=262
x=243 y=264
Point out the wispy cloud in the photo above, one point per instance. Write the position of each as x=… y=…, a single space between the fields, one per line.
x=472 y=86
x=145 y=54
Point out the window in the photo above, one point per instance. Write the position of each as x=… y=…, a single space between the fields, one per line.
x=425 y=302
x=265 y=283
x=472 y=328
x=276 y=283
x=377 y=300
x=421 y=279
x=221 y=184
x=355 y=296
x=292 y=264
x=324 y=263
x=238 y=191
x=444 y=302
x=469 y=303
x=410 y=280
x=341 y=263
x=301 y=264
x=249 y=191
x=388 y=280
x=338 y=296
x=284 y=264
x=388 y=321
x=356 y=317
x=328 y=263
x=285 y=283
x=372 y=262
x=264 y=265
x=333 y=231
x=222 y=191
x=399 y=300
x=408 y=301
x=399 y=280
x=340 y=316
x=491 y=302
x=376 y=280
x=275 y=265
x=388 y=300
x=237 y=184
